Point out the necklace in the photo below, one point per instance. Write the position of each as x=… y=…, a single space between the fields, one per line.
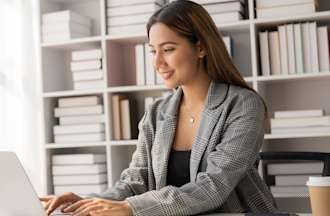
x=191 y=117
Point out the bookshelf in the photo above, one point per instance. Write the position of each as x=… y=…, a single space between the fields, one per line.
x=281 y=92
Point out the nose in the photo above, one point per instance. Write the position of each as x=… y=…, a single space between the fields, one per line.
x=158 y=60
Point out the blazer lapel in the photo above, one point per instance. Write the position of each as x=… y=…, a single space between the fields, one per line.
x=216 y=95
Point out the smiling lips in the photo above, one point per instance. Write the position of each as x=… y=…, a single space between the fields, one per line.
x=166 y=75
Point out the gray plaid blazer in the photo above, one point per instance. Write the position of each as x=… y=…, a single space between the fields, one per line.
x=222 y=175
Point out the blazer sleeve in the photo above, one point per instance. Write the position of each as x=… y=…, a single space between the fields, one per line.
x=134 y=179
x=226 y=166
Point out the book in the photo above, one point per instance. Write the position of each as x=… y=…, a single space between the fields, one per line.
x=291 y=180
x=81 y=189
x=85 y=65
x=76 y=111
x=225 y=7
x=116 y=116
x=83 y=119
x=288 y=10
x=125 y=120
x=80 y=179
x=88 y=84
x=133 y=9
x=298 y=46
x=300 y=122
x=283 y=49
x=117 y=3
x=66 y=15
x=83 y=55
x=226 y=17
x=79 y=101
x=274 y=50
x=87 y=75
x=63 y=27
x=140 y=65
x=291 y=49
x=278 y=3
x=295 y=168
x=149 y=68
x=264 y=53
x=129 y=29
x=78 y=159
x=298 y=113
x=313 y=47
x=323 y=48
x=129 y=19
x=79 y=169
x=78 y=129
x=74 y=138
x=301 y=130
x=306 y=48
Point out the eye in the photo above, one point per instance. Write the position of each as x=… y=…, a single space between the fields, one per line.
x=152 y=51
x=169 y=49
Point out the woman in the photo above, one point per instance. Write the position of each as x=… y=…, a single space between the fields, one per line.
x=196 y=147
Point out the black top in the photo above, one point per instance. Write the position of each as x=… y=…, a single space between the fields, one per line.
x=178 y=169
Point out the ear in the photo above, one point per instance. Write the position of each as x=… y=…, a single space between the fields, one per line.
x=201 y=53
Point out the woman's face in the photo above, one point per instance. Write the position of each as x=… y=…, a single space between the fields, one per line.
x=174 y=58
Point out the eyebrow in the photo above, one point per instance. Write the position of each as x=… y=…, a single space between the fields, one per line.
x=165 y=43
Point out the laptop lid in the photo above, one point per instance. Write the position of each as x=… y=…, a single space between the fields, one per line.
x=17 y=196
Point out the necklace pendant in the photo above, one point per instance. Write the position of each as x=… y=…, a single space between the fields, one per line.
x=191 y=120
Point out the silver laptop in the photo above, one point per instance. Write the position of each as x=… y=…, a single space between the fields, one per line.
x=17 y=195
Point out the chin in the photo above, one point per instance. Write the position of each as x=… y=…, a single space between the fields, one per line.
x=171 y=85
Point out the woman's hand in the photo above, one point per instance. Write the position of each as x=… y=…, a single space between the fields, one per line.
x=99 y=207
x=52 y=203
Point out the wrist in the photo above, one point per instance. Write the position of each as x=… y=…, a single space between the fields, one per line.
x=128 y=207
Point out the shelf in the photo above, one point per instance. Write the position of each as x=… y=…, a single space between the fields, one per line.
x=248 y=79
x=290 y=77
x=73 y=145
x=123 y=142
x=72 y=93
x=293 y=136
x=291 y=195
x=78 y=43
x=120 y=89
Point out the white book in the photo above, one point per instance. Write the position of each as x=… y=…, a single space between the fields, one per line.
x=81 y=189
x=78 y=159
x=61 y=27
x=283 y=49
x=323 y=48
x=78 y=129
x=125 y=119
x=295 y=168
x=148 y=101
x=301 y=130
x=66 y=15
x=82 y=55
x=129 y=29
x=289 y=10
x=85 y=65
x=313 y=47
x=88 y=84
x=298 y=46
x=80 y=179
x=76 y=111
x=132 y=9
x=116 y=116
x=274 y=50
x=278 y=3
x=291 y=180
x=88 y=75
x=129 y=19
x=289 y=189
x=228 y=43
x=139 y=64
x=79 y=169
x=300 y=122
x=83 y=119
x=306 y=48
x=291 y=49
x=224 y=8
x=79 y=101
x=298 y=113
x=226 y=17
x=202 y=2
x=264 y=53
x=117 y=3
x=149 y=68
x=75 y=138
x=65 y=36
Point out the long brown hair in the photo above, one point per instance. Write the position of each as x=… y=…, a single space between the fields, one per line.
x=194 y=23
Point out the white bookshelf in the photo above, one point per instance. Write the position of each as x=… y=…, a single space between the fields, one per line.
x=282 y=92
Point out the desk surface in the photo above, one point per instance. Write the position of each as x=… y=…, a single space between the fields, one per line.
x=226 y=214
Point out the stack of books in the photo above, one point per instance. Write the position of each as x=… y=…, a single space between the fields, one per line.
x=294 y=49
x=79 y=173
x=126 y=17
x=280 y=8
x=300 y=121
x=86 y=67
x=81 y=119
x=291 y=178
x=65 y=25
x=223 y=11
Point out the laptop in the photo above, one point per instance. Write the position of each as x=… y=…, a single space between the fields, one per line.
x=17 y=195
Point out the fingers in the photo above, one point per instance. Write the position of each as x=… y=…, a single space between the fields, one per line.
x=54 y=203
x=77 y=205
x=90 y=207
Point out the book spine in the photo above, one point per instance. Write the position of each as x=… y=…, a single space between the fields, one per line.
x=313 y=47
x=298 y=44
x=140 y=65
x=283 y=49
x=79 y=101
x=291 y=49
x=87 y=75
x=76 y=111
x=275 y=56
x=264 y=53
x=86 y=55
x=85 y=65
x=323 y=48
